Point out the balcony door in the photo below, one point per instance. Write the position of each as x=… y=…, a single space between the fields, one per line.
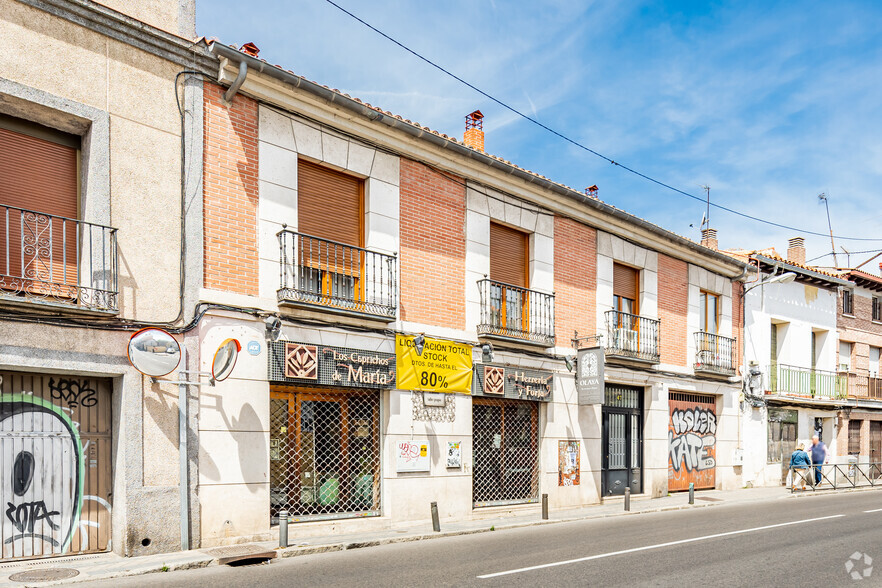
x=626 y=290
x=330 y=223
x=39 y=190
x=509 y=272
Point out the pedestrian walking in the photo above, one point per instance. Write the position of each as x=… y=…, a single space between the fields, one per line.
x=799 y=466
x=819 y=457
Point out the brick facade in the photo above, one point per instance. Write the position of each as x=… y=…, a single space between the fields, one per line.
x=673 y=304
x=575 y=279
x=230 y=193
x=860 y=329
x=433 y=246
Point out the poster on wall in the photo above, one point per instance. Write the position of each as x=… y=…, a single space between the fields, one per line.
x=412 y=456
x=454 y=454
x=568 y=463
x=433 y=365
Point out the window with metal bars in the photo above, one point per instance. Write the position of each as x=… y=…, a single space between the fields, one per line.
x=782 y=434
x=506 y=451
x=847 y=302
x=854 y=437
x=324 y=453
x=877 y=308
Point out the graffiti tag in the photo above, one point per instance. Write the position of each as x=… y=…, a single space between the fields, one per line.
x=73 y=392
x=25 y=515
x=697 y=420
x=691 y=450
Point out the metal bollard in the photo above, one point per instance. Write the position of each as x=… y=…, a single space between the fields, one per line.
x=628 y=498
x=691 y=493
x=436 y=523
x=283 y=529
x=545 y=507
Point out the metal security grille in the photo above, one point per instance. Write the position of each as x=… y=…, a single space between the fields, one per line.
x=692 y=439
x=324 y=453
x=55 y=444
x=505 y=434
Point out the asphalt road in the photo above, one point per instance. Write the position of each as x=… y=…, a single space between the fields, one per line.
x=784 y=542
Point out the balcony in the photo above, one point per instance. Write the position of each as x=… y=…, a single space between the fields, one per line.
x=788 y=380
x=58 y=262
x=516 y=314
x=863 y=386
x=321 y=274
x=631 y=336
x=714 y=354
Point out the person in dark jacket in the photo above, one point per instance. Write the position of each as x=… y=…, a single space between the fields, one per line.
x=799 y=466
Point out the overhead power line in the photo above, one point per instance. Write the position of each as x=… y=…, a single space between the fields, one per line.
x=580 y=145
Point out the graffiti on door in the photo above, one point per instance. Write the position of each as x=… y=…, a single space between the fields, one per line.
x=41 y=447
x=691 y=442
x=54 y=459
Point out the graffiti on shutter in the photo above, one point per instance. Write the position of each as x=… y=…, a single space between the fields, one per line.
x=692 y=439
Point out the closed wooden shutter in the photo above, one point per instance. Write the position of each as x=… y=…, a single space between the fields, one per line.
x=38 y=175
x=329 y=204
x=625 y=281
x=508 y=255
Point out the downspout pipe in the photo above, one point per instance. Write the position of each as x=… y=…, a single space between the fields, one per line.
x=237 y=83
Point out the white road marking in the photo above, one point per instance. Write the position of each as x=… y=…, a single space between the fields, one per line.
x=657 y=546
x=874 y=510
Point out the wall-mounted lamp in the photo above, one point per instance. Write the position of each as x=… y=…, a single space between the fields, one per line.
x=418 y=342
x=486 y=352
x=570 y=361
x=273 y=327
x=784 y=278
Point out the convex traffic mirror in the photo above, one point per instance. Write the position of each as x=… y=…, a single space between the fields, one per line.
x=225 y=359
x=154 y=352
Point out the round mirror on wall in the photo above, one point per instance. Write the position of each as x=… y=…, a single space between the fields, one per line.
x=225 y=359
x=154 y=352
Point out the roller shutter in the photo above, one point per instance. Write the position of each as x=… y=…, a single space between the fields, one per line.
x=508 y=255
x=329 y=204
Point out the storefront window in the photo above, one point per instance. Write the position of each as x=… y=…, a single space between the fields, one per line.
x=506 y=451
x=324 y=453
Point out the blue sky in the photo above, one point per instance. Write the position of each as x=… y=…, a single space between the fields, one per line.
x=769 y=103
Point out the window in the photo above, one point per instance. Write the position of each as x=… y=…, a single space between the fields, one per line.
x=877 y=308
x=854 y=437
x=509 y=272
x=709 y=313
x=847 y=302
x=845 y=356
x=330 y=213
x=626 y=288
x=874 y=362
x=38 y=174
x=782 y=435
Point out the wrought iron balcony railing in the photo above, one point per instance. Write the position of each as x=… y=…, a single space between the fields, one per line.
x=714 y=353
x=58 y=260
x=864 y=386
x=632 y=336
x=789 y=380
x=351 y=280
x=516 y=313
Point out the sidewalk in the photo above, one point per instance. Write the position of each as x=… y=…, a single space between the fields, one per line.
x=109 y=565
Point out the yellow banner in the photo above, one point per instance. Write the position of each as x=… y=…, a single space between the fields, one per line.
x=443 y=366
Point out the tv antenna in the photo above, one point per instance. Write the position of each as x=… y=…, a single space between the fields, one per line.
x=823 y=197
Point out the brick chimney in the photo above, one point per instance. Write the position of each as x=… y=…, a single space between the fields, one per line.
x=474 y=133
x=709 y=239
x=796 y=250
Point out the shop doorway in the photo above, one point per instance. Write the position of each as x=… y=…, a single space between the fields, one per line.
x=622 y=465
x=506 y=445
x=324 y=453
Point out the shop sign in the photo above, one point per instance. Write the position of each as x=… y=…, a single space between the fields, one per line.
x=501 y=381
x=412 y=456
x=439 y=366
x=327 y=365
x=589 y=375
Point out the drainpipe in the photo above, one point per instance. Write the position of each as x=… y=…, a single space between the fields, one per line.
x=237 y=83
